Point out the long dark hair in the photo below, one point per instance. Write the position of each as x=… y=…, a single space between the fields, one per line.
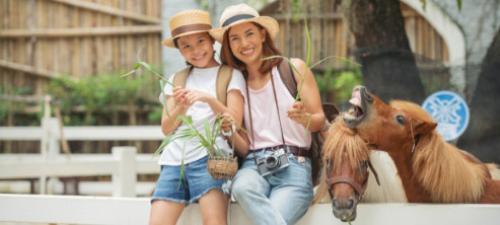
x=268 y=49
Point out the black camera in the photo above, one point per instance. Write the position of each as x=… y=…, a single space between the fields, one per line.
x=272 y=163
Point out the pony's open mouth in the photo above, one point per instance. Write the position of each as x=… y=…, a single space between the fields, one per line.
x=359 y=99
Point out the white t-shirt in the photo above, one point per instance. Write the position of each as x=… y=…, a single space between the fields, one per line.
x=201 y=79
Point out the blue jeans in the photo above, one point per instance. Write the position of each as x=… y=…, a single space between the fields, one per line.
x=195 y=183
x=280 y=198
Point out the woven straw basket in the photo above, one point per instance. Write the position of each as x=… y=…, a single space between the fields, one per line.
x=224 y=167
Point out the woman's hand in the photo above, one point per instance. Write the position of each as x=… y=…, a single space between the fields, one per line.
x=298 y=114
x=228 y=126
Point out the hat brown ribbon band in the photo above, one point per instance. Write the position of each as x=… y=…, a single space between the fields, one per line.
x=190 y=28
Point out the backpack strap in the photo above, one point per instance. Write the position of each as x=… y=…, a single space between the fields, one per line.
x=181 y=76
x=286 y=74
x=222 y=83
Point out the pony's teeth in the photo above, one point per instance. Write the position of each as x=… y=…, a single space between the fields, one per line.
x=355 y=101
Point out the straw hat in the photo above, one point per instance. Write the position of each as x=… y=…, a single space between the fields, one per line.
x=241 y=13
x=186 y=23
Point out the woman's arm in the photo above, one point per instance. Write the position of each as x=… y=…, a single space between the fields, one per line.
x=308 y=110
x=234 y=115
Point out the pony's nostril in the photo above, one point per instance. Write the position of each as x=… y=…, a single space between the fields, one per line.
x=335 y=203
x=350 y=203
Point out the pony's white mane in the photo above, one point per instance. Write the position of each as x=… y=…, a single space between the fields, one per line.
x=391 y=188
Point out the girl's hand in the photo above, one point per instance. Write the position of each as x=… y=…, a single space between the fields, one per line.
x=228 y=126
x=194 y=96
x=180 y=97
x=298 y=114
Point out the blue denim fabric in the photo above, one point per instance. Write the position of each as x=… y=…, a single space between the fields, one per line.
x=195 y=183
x=277 y=199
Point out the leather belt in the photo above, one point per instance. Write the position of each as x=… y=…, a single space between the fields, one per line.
x=297 y=151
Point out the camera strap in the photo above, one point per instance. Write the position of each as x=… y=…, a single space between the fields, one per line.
x=277 y=110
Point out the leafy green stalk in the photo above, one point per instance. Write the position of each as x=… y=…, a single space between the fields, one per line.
x=308 y=43
x=141 y=64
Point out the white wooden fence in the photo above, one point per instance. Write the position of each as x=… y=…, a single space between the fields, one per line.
x=124 y=164
x=135 y=211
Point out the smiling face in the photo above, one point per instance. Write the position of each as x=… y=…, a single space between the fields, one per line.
x=246 y=42
x=197 y=49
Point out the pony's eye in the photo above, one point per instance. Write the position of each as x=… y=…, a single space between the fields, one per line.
x=400 y=119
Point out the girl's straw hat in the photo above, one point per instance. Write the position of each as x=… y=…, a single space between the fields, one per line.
x=241 y=13
x=186 y=23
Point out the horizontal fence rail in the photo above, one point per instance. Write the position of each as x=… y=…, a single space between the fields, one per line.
x=135 y=211
x=123 y=165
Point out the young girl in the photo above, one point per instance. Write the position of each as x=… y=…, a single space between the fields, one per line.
x=189 y=31
x=278 y=126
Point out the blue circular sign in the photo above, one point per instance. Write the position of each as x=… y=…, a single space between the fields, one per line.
x=450 y=111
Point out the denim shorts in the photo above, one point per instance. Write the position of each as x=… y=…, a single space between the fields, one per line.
x=194 y=184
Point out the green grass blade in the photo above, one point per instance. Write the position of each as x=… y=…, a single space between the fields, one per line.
x=128 y=73
x=308 y=42
x=181 y=172
x=164 y=143
x=336 y=57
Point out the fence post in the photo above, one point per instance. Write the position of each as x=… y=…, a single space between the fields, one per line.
x=49 y=143
x=125 y=176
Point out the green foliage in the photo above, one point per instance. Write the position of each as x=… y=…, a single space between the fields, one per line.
x=340 y=83
x=4 y=109
x=155 y=115
x=206 y=139
x=102 y=93
x=7 y=106
x=296 y=10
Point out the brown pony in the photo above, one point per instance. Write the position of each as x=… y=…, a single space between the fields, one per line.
x=345 y=172
x=431 y=169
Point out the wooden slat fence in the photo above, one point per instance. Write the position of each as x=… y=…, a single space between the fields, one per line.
x=330 y=35
x=41 y=39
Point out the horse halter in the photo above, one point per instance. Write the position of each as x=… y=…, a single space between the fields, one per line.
x=360 y=189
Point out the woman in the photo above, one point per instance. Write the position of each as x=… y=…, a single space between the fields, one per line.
x=274 y=184
x=197 y=100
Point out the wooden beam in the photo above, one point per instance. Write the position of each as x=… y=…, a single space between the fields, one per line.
x=27 y=69
x=78 y=32
x=22 y=98
x=110 y=10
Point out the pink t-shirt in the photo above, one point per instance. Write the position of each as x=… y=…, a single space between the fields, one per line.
x=266 y=126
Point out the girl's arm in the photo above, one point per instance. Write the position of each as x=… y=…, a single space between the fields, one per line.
x=216 y=106
x=308 y=110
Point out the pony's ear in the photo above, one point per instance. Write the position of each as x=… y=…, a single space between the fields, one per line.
x=424 y=127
